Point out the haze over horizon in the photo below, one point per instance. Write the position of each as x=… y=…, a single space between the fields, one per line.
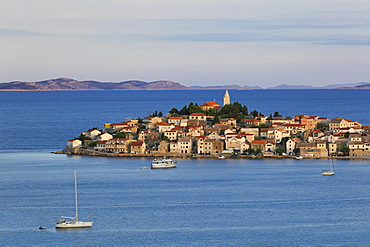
x=251 y=42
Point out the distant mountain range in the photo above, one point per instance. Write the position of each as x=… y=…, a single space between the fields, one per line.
x=359 y=85
x=71 y=84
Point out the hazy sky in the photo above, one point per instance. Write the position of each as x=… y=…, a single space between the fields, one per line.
x=193 y=42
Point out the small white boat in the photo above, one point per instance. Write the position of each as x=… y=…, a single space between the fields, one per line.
x=163 y=163
x=298 y=157
x=329 y=172
x=144 y=167
x=75 y=223
x=221 y=157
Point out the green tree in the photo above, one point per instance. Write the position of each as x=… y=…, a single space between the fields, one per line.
x=83 y=138
x=92 y=144
x=254 y=113
x=173 y=111
x=184 y=111
x=322 y=127
x=121 y=135
x=276 y=114
x=195 y=109
x=280 y=150
x=215 y=120
x=344 y=149
x=297 y=151
x=258 y=151
x=244 y=110
x=211 y=112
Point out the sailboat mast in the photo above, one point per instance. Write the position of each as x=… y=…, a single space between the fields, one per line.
x=76 y=198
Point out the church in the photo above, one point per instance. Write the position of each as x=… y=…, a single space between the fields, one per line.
x=214 y=105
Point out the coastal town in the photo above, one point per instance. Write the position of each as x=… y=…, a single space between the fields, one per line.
x=212 y=131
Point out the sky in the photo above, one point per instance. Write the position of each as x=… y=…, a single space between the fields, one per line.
x=193 y=42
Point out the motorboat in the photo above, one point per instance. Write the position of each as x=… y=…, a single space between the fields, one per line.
x=163 y=163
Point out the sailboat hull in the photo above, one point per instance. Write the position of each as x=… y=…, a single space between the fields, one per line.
x=73 y=224
x=328 y=173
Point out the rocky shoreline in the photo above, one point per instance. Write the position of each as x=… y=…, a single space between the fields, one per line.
x=91 y=152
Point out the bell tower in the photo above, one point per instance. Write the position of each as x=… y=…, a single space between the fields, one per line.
x=226 y=98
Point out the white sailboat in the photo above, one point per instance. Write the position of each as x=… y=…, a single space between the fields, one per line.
x=331 y=170
x=75 y=223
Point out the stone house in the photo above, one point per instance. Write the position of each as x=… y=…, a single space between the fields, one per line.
x=332 y=149
x=228 y=121
x=150 y=122
x=174 y=120
x=91 y=133
x=252 y=122
x=290 y=145
x=137 y=147
x=103 y=137
x=196 y=130
x=185 y=145
x=163 y=147
x=236 y=144
x=171 y=135
x=163 y=126
x=310 y=150
x=198 y=116
x=117 y=145
x=74 y=143
x=210 y=146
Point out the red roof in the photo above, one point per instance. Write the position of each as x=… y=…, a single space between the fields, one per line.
x=137 y=143
x=198 y=114
x=211 y=103
x=259 y=142
x=163 y=124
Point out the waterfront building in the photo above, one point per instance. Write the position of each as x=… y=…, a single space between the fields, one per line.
x=74 y=143
x=210 y=146
x=137 y=147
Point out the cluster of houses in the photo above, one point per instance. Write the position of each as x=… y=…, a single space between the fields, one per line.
x=194 y=134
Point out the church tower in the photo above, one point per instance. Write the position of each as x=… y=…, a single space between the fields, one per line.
x=226 y=98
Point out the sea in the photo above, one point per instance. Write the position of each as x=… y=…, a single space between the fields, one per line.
x=202 y=202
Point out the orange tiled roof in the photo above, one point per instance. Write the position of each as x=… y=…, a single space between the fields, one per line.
x=259 y=142
x=211 y=103
x=198 y=114
x=163 y=124
x=136 y=143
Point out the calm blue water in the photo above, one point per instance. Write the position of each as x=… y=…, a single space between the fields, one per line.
x=46 y=120
x=200 y=203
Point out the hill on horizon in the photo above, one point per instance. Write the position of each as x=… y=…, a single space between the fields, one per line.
x=64 y=84
x=71 y=84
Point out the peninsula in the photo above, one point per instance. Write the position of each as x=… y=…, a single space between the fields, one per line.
x=211 y=130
